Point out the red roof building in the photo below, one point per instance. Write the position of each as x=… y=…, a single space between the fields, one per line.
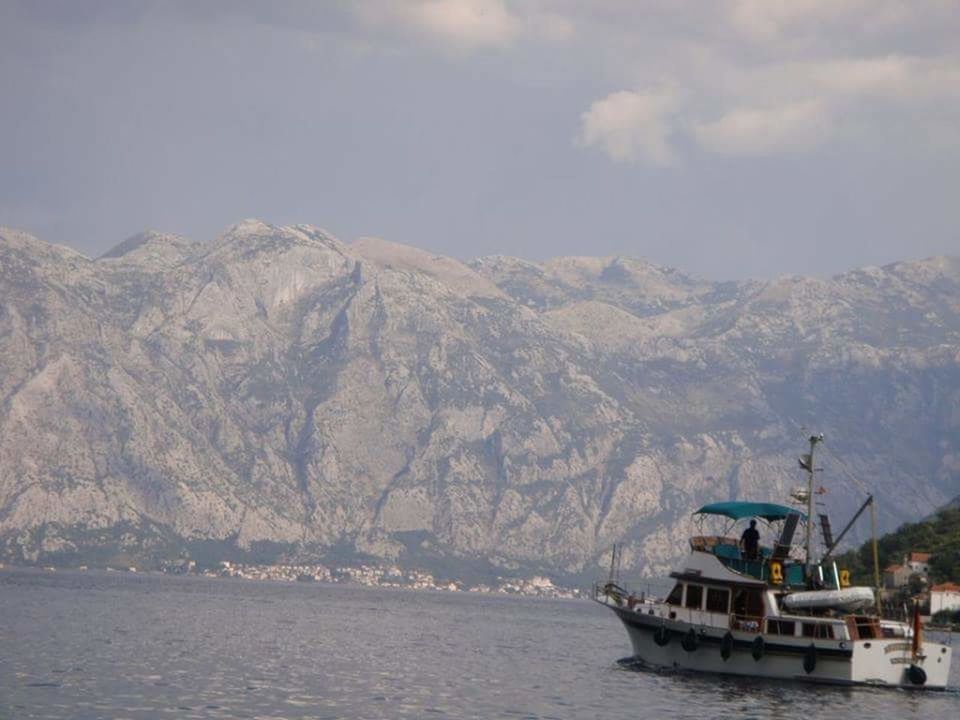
x=895 y=576
x=945 y=596
x=918 y=562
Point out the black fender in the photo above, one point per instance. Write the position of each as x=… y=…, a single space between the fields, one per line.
x=690 y=641
x=661 y=636
x=726 y=645
x=917 y=675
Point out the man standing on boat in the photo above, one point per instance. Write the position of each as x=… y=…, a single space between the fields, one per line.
x=750 y=541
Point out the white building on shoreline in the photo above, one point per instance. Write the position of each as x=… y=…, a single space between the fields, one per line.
x=945 y=596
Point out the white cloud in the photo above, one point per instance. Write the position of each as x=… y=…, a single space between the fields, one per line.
x=811 y=70
x=762 y=131
x=773 y=19
x=782 y=108
x=895 y=78
x=885 y=76
x=458 y=24
x=632 y=126
x=549 y=26
x=467 y=25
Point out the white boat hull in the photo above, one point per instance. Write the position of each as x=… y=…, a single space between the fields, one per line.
x=863 y=662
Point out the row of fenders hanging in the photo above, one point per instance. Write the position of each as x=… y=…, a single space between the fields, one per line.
x=691 y=642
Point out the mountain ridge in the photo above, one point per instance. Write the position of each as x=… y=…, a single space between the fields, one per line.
x=280 y=386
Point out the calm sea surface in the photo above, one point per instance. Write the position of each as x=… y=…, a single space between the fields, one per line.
x=105 y=645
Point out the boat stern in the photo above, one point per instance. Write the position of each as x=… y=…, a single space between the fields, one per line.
x=892 y=662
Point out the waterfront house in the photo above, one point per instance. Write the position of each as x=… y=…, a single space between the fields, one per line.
x=895 y=576
x=918 y=562
x=945 y=596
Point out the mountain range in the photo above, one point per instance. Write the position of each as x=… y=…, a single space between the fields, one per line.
x=279 y=392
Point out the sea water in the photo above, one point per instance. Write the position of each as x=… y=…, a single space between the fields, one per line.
x=119 y=645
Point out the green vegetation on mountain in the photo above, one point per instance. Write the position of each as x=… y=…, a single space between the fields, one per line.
x=938 y=535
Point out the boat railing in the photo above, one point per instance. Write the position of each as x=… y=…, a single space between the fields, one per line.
x=727 y=551
x=611 y=593
x=609 y=590
x=800 y=626
x=709 y=543
x=747 y=623
x=781 y=627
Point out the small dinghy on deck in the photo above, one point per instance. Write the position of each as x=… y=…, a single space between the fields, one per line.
x=846 y=599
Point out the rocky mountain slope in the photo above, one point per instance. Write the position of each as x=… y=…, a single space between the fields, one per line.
x=279 y=389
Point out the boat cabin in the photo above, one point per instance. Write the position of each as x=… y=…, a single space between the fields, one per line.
x=770 y=563
x=756 y=609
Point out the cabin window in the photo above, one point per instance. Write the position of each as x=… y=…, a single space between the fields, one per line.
x=718 y=600
x=694 y=596
x=781 y=627
x=820 y=631
x=676 y=595
x=891 y=632
x=865 y=628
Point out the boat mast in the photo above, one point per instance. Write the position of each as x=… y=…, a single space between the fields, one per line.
x=806 y=462
x=876 y=556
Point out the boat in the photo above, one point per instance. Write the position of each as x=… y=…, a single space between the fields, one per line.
x=774 y=612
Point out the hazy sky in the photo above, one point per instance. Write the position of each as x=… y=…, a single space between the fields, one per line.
x=730 y=138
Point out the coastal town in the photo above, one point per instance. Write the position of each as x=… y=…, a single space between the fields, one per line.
x=389 y=576
x=908 y=582
x=385 y=576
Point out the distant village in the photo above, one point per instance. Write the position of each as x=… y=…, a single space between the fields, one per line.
x=904 y=583
x=389 y=576
x=908 y=581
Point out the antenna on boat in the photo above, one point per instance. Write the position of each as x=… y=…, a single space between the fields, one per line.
x=806 y=462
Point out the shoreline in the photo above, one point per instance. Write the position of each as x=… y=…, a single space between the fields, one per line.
x=387 y=577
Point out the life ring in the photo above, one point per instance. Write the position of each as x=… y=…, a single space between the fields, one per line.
x=917 y=675
x=662 y=636
x=776 y=572
x=757 y=648
x=726 y=646
x=689 y=642
x=810 y=659
x=844 y=578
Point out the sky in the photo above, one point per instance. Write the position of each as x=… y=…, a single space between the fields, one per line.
x=729 y=138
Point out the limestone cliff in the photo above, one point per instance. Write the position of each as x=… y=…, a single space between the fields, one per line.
x=279 y=386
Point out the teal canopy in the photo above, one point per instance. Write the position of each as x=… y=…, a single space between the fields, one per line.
x=739 y=510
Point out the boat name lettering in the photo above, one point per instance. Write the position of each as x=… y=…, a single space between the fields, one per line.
x=897 y=647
